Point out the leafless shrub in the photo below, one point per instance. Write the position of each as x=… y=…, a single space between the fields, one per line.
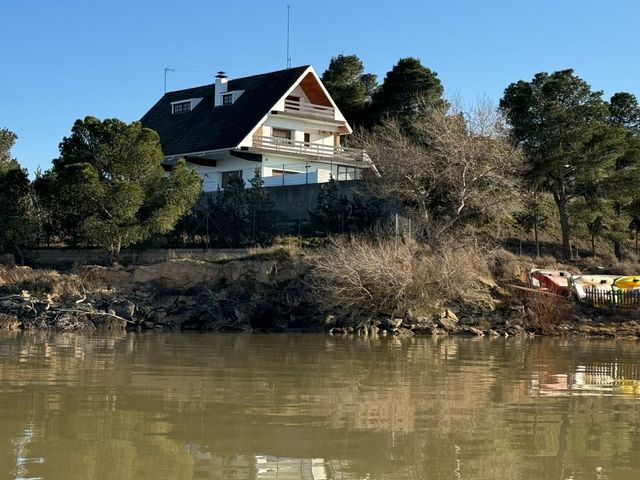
x=453 y=163
x=545 y=312
x=383 y=276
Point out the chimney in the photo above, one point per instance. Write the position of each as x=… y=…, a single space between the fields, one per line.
x=221 y=87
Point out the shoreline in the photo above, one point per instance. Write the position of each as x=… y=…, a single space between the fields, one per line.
x=257 y=294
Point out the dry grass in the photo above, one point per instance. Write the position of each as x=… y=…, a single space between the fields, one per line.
x=276 y=252
x=608 y=264
x=45 y=281
x=508 y=268
x=373 y=277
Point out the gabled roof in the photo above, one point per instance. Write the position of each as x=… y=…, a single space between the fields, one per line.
x=208 y=127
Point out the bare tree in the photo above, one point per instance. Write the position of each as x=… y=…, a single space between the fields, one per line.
x=452 y=164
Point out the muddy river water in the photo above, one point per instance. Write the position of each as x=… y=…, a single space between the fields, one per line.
x=293 y=406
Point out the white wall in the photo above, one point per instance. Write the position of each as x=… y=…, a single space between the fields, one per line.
x=318 y=172
x=278 y=162
x=211 y=176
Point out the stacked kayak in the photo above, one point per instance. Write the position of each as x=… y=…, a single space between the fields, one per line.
x=603 y=290
x=554 y=281
x=596 y=290
x=592 y=285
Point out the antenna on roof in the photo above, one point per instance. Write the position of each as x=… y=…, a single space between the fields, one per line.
x=288 y=56
x=166 y=69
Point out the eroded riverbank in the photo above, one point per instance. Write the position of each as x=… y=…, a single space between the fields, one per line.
x=264 y=293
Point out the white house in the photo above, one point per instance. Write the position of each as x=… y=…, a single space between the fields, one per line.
x=285 y=123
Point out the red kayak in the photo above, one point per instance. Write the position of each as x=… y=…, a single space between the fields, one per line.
x=554 y=281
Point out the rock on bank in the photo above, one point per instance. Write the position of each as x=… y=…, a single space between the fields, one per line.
x=255 y=293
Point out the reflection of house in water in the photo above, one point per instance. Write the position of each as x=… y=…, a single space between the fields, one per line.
x=593 y=379
x=210 y=466
x=286 y=468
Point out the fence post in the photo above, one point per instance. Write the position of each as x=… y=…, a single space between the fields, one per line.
x=397 y=230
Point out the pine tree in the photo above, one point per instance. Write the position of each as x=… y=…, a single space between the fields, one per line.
x=259 y=210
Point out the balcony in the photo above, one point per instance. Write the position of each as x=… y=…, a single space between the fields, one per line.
x=307 y=110
x=322 y=153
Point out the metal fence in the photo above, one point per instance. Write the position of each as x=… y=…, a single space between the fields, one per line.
x=627 y=299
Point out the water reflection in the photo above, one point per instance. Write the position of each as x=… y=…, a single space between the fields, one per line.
x=317 y=407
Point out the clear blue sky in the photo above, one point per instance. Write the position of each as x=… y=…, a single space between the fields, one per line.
x=63 y=59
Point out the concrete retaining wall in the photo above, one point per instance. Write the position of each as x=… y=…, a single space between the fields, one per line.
x=293 y=203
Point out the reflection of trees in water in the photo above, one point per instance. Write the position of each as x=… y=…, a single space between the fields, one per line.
x=134 y=406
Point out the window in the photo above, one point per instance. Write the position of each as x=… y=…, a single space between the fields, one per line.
x=279 y=172
x=307 y=138
x=227 y=176
x=281 y=135
x=181 y=107
x=227 y=99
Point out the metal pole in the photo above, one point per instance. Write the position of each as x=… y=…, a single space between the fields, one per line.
x=288 y=56
x=166 y=69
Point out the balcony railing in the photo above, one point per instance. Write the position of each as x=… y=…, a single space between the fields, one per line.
x=325 y=153
x=309 y=109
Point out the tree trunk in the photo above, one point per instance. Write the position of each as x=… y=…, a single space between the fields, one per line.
x=617 y=245
x=561 y=201
x=18 y=255
x=114 y=254
x=535 y=237
x=593 y=245
x=617 y=249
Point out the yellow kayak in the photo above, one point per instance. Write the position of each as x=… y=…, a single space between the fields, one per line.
x=627 y=282
x=600 y=281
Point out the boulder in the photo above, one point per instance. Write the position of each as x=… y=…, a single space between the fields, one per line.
x=68 y=322
x=391 y=324
x=330 y=321
x=404 y=332
x=424 y=325
x=123 y=308
x=475 y=331
x=175 y=320
x=109 y=323
x=188 y=300
x=448 y=320
x=9 y=323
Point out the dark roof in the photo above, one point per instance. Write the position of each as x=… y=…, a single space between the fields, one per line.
x=208 y=127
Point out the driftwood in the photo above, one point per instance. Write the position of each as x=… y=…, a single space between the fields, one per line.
x=535 y=291
x=84 y=312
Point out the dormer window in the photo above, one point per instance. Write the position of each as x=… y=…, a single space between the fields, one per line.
x=181 y=107
x=185 y=105
x=227 y=99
